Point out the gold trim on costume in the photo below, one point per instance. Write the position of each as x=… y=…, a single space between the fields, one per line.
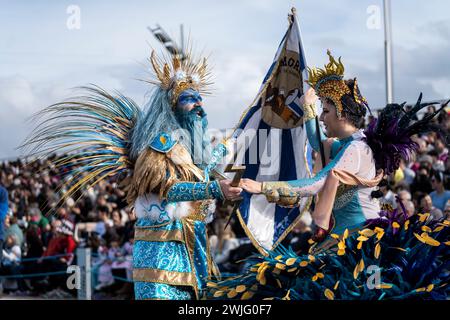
x=309 y=112
x=189 y=239
x=174 y=278
x=158 y=235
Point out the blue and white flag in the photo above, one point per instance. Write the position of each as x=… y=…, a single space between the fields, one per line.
x=271 y=143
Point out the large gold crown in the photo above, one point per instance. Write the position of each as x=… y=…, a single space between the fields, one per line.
x=329 y=83
x=181 y=74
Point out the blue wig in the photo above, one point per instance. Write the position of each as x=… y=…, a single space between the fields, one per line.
x=157 y=117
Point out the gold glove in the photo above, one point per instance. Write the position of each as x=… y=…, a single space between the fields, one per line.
x=283 y=196
x=309 y=111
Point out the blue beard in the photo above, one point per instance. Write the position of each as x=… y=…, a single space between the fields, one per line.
x=197 y=142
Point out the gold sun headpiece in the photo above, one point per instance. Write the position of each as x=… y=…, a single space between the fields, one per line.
x=178 y=75
x=329 y=83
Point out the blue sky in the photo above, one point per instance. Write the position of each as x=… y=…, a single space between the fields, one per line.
x=41 y=60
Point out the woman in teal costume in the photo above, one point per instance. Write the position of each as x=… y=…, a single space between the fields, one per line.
x=387 y=255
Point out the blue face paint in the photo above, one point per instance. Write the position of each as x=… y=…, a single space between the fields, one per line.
x=195 y=122
x=188 y=98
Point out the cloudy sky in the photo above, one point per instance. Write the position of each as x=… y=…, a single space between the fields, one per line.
x=42 y=59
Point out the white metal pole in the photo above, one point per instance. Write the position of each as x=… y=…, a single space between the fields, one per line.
x=84 y=262
x=388 y=51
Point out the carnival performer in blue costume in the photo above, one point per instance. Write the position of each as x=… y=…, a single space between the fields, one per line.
x=411 y=255
x=163 y=160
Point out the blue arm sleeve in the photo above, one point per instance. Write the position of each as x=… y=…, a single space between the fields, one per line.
x=192 y=191
x=311 y=131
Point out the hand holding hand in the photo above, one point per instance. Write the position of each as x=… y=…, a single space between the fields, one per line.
x=309 y=98
x=251 y=186
x=229 y=192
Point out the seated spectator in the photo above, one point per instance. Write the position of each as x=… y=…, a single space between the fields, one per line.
x=422 y=181
x=37 y=219
x=404 y=195
x=12 y=228
x=410 y=209
x=12 y=255
x=103 y=268
x=439 y=196
x=447 y=210
x=426 y=206
x=59 y=254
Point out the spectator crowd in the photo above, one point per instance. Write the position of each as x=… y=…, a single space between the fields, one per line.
x=39 y=234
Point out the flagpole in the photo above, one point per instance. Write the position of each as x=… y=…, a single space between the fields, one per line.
x=388 y=50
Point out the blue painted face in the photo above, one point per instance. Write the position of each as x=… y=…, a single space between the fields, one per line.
x=189 y=99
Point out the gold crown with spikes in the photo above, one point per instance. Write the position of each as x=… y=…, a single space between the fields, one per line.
x=179 y=75
x=329 y=83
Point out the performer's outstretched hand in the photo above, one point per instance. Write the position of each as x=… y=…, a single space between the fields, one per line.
x=309 y=98
x=251 y=186
x=229 y=192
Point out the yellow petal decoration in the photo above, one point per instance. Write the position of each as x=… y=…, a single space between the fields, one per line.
x=211 y=284
x=406 y=226
x=430 y=287
x=287 y=297
x=345 y=234
x=425 y=238
x=432 y=242
x=378 y=230
x=426 y=229
x=329 y=294
x=419 y=237
x=384 y=286
x=395 y=225
x=320 y=275
x=335 y=236
x=247 y=295
x=341 y=252
x=361 y=265
x=290 y=261
x=278 y=258
x=263 y=280
x=377 y=251
x=367 y=232
x=380 y=235
x=447 y=243
x=341 y=245
x=232 y=294
x=303 y=263
x=362 y=238
x=336 y=285
x=356 y=271
x=315 y=277
x=420 y=289
x=280 y=266
x=359 y=246
x=437 y=229
x=292 y=269
x=241 y=288
x=311 y=258
x=423 y=216
x=311 y=241
x=218 y=294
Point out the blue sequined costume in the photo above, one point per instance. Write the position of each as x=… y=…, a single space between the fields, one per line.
x=171 y=257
